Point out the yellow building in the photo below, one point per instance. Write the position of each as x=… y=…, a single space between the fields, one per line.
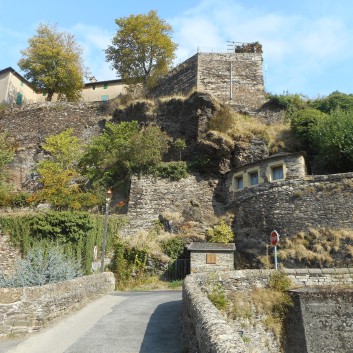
x=15 y=89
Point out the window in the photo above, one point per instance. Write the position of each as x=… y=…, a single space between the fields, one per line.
x=94 y=87
x=239 y=182
x=105 y=86
x=254 y=178
x=21 y=84
x=211 y=259
x=277 y=173
x=105 y=97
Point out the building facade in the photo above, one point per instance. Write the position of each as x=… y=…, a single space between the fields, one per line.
x=16 y=90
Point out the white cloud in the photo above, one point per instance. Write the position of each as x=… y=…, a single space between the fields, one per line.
x=295 y=44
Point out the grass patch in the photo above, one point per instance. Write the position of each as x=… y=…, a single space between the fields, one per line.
x=318 y=247
x=270 y=304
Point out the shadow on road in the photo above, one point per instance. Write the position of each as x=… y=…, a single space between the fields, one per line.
x=163 y=332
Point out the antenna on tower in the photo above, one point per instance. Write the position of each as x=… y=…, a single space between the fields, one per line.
x=230 y=46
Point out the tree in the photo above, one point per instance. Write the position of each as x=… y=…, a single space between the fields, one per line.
x=59 y=173
x=122 y=149
x=333 y=140
x=53 y=63
x=142 y=49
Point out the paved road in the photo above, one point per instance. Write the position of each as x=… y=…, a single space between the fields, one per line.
x=121 y=322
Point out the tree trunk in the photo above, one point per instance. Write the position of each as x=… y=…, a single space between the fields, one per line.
x=50 y=96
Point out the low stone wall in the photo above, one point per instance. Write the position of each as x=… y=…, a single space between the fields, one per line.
x=206 y=330
x=26 y=310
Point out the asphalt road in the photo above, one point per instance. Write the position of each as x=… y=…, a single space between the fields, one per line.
x=121 y=322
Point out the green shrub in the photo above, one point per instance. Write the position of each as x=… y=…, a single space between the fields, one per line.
x=279 y=281
x=128 y=263
x=336 y=100
x=217 y=295
x=288 y=102
x=221 y=233
x=42 y=266
x=172 y=170
x=173 y=247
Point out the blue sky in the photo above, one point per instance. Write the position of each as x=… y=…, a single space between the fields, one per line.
x=308 y=44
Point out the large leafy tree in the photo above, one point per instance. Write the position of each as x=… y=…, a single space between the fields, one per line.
x=142 y=49
x=53 y=63
x=122 y=149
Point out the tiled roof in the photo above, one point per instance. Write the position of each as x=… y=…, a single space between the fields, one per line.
x=198 y=246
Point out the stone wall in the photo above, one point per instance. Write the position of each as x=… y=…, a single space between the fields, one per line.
x=206 y=330
x=321 y=321
x=9 y=254
x=180 y=80
x=31 y=124
x=234 y=78
x=193 y=197
x=290 y=207
x=26 y=310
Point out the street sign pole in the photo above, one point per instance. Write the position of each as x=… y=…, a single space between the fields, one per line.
x=274 y=239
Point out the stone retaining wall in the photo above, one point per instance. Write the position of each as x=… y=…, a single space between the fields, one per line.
x=290 y=207
x=206 y=330
x=149 y=197
x=26 y=310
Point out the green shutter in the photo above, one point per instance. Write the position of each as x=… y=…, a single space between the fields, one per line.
x=19 y=98
x=105 y=86
x=105 y=97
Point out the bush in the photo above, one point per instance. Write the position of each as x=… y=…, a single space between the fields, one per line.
x=173 y=247
x=221 y=233
x=75 y=232
x=172 y=170
x=223 y=120
x=288 y=102
x=41 y=267
x=279 y=281
x=336 y=100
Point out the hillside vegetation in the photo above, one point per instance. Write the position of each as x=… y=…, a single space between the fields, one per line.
x=171 y=138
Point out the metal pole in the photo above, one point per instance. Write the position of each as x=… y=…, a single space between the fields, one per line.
x=276 y=266
x=105 y=232
x=231 y=81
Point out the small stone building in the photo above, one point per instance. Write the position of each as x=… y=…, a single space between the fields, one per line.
x=209 y=257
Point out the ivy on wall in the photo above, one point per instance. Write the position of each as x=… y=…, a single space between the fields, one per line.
x=76 y=233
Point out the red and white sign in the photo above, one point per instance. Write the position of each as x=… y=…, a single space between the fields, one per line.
x=274 y=238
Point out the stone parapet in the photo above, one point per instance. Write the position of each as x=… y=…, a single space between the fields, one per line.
x=205 y=330
x=28 y=309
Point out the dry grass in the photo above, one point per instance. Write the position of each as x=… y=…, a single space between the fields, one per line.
x=268 y=304
x=278 y=136
x=317 y=246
